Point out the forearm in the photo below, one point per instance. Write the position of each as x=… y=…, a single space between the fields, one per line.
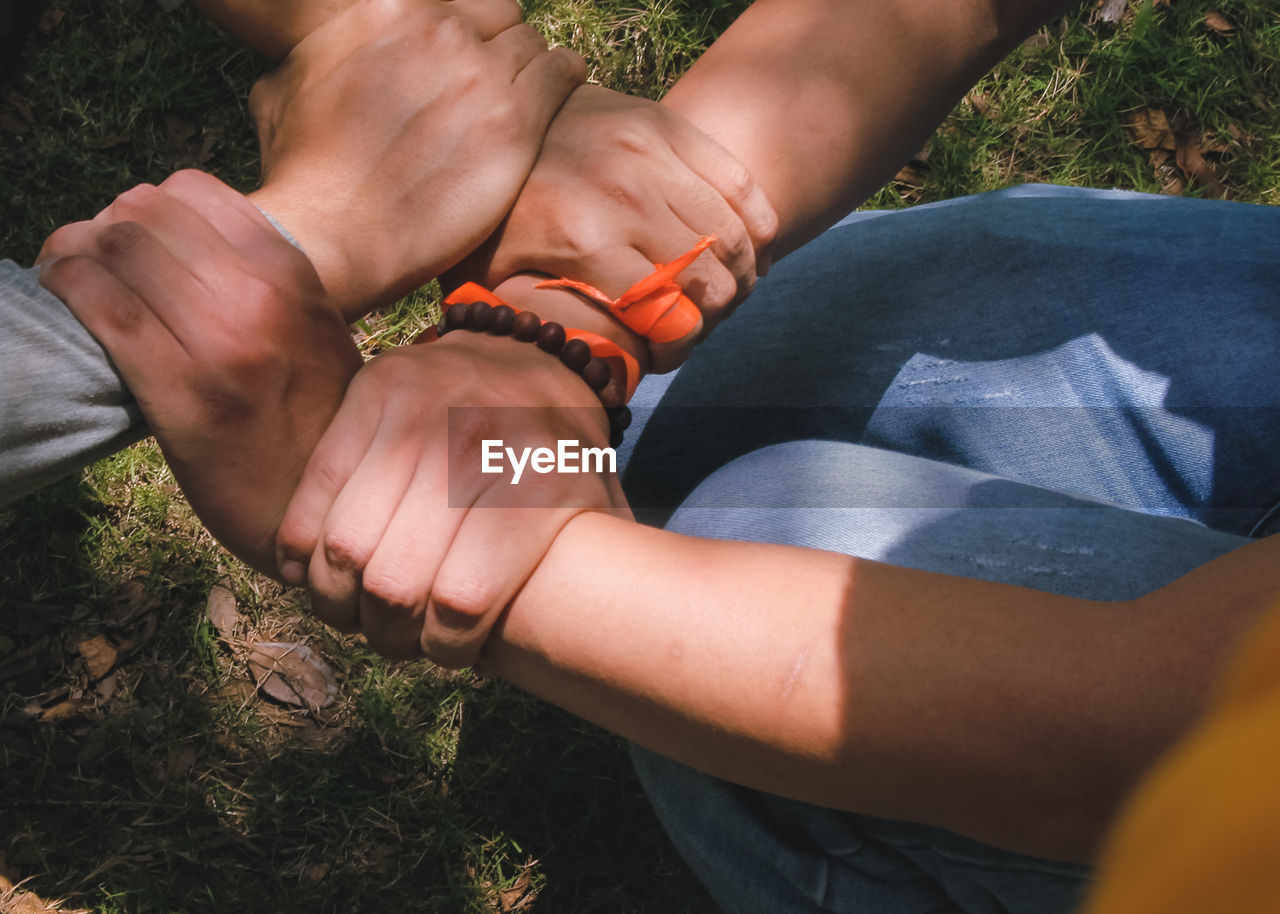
x=1013 y=716
x=823 y=100
x=270 y=28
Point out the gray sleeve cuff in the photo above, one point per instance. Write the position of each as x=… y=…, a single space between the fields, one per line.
x=62 y=403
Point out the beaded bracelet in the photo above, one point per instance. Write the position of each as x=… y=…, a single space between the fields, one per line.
x=574 y=352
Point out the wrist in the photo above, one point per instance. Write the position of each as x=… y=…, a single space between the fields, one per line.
x=571 y=310
x=312 y=231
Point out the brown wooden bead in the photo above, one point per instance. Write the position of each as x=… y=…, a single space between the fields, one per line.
x=619 y=418
x=479 y=314
x=596 y=373
x=525 y=327
x=575 y=355
x=551 y=338
x=454 y=319
x=501 y=320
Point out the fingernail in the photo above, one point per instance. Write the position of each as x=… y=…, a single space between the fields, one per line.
x=293 y=571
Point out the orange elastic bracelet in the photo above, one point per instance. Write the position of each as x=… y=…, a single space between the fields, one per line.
x=656 y=307
x=620 y=361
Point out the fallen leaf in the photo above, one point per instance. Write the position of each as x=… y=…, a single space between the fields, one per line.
x=1220 y=24
x=107 y=687
x=981 y=104
x=924 y=152
x=1193 y=165
x=49 y=20
x=99 y=654
x=292 y=673
x=1150 y=129
x=1111 y=11
x=181 y=759
x=1040 y=39
x=518 y=895
x=1172 y=181
x=221 y=610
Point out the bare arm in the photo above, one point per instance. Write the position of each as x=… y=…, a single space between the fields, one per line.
x=823 y=100
x=272 y=28
x=1016 y=717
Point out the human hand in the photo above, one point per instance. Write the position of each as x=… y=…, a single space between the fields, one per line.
x=396 y=529
x=219 y=327
x=623 y=183
x=396 y=136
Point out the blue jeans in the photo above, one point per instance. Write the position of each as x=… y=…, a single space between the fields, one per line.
x=1034 y=386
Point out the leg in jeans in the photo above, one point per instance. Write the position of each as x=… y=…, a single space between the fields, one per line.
x=1051 y=349
x=1043 y=334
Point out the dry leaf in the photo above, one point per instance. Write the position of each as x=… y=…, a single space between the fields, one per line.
x=981 y=104
x=180 y=760
x=1111 y=11
x=924 y=152
x=49 y=20
x=1193 y=165
x=1041 y=39
x=1220 y=24
x=1150 y=129
x=517 y=896
x=221 y=610
x=292 y=673
x=1172 y=181
x=99 y=654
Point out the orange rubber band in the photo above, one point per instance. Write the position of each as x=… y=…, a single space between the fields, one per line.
x=656 y=307
x=600 y=346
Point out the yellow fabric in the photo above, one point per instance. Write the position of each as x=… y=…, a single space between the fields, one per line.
x=1202 y=834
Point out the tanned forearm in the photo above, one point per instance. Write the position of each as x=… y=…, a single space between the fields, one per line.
x=273 y=27
x=1016 y=717
x=824 y=100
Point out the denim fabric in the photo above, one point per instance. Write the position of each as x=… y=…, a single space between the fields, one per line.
x=1034 y=386
x=1056 y=336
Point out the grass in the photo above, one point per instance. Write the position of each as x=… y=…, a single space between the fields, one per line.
x=169 y=784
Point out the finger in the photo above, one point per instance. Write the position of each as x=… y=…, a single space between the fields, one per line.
x=356 y=523
x=69 y=240
x=717 y=166
x=545 y=82
x=141 y=346
x=494 y=553
x=398 y=579
x=341 y=450
x=489 y=17
x=515 y=49
x=705 y=212
x=179 y=241
x=231 y=214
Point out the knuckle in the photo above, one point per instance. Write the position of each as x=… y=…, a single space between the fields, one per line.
x=766 y=227
x=61 y=241
x=345 y=550
x=632 y=137
x=119 y=238
x=137 y=199
x=461 y=601
x=736 y=180
x=391 y=588
x=296 y=538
